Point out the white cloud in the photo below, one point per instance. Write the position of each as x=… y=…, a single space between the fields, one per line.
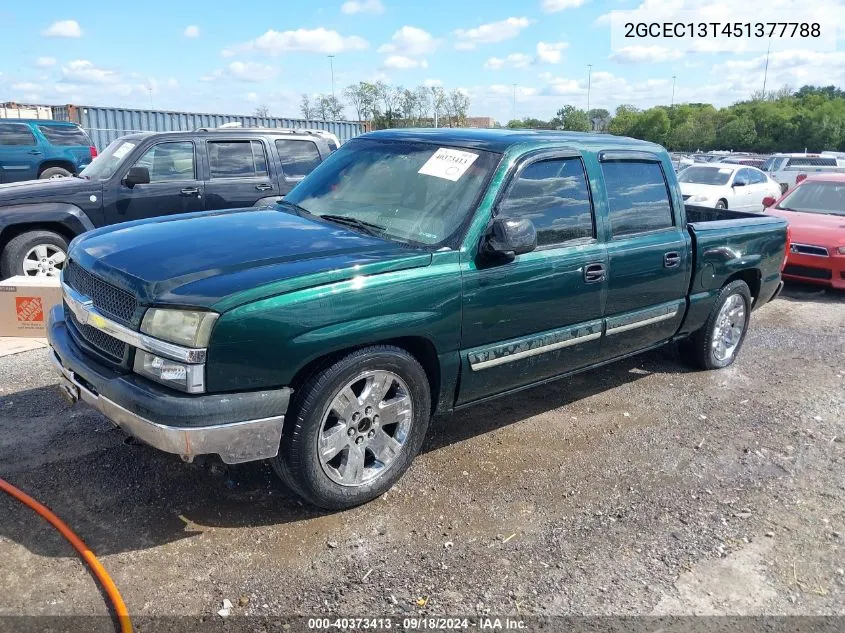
x=795 y=68
x=403 y=63
x=172 y=84
x=243 y=71
x=551 y=53
x=564 y=87
x=508 y=91
x=514 y=60
x=432 y=83
x=252 y=97
x=45 y=62
x=63 y=28
x=490 y=33
x=319 y=40
x=192 y=31
x=81 y=71
x=645 y=54
x=553 y=6
x=410 y=41
x=26 y=86
x=367 y=6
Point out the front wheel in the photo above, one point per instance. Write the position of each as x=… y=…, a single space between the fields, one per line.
x=34 y=254
x=721 y=204
x=354 y=428
x=717 y=344
x=54 y=173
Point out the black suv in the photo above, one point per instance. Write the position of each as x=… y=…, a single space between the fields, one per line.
x=151 y=174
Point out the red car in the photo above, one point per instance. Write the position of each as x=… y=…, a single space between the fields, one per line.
x=815 y=210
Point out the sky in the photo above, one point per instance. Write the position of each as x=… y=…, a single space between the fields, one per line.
x=229 y=58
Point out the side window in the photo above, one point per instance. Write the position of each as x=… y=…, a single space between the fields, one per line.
x=638 y=197
x=812 y=162
x=237 y=159
x=169 y=161
x=554 y=195
x=757 y=177
x=16 y=134
x=743 y=175
x=298 y=157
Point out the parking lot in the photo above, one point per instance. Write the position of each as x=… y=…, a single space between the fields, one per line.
x=639 y=488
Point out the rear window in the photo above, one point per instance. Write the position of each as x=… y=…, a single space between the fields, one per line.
x=298 y=158
x=65 y=135
x=812 y=162
x=706 y=175
x=16 y=134
x=638 y=197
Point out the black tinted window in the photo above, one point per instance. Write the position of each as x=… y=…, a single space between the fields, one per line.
x=812 y=162
x=638 y=197
x=298 y=158
x=169 y=161
x=65 y=135
x=15 y=134
x=553 y=194
x=236 y=159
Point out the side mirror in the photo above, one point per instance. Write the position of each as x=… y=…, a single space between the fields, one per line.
x=508 y=237
x=769 y=201
x=137 y=176
x=739 y=183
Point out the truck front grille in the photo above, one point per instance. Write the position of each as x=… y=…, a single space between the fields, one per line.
x=108 y=299
x=807 y=271
x=109 y=346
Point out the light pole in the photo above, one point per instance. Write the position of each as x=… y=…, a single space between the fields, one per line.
x=766 y=71
x=331 y=66
x=514 y=102
x=589 y=85
x=673 y=92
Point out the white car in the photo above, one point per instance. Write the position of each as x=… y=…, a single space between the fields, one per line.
x=785 y=168
x=727 y=186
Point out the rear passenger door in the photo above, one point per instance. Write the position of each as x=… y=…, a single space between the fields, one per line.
x=20 y=154
x=648 y=254
x=238 y=173
x=298 y=157
x=539 y=315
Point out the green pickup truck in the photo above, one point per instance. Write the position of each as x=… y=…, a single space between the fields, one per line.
x=414 y=272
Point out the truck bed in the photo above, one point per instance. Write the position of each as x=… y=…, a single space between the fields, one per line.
x=697 y=215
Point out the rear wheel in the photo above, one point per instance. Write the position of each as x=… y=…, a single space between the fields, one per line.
x=355 y=427
x=717 y=344
x=52 y=173
x=34 y=254
x=722 y=204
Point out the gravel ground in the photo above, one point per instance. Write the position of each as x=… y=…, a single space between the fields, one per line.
x=640 y=488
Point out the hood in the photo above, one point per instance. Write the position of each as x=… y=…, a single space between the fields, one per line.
x=697 y=189
x=58 y=190
x=239 y=255
x=821 y=229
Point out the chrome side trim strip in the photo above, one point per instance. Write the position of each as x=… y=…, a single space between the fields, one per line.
x=87 y=314
x=236 y=442
x=589 y=335
x=624 y=327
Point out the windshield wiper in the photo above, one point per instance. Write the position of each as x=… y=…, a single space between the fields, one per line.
x=367 y=227
x=295 y=207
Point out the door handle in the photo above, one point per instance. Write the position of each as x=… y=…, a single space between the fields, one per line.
x=34 y=152
x=594 y=273
x=190 y=191
x=264 y=187
x=671 y=259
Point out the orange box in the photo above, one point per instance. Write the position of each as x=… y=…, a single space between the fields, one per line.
x=25 y=303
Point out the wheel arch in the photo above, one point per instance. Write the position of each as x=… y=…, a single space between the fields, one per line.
x=57 y=162
x=752 y=277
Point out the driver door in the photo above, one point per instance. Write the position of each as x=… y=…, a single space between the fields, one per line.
x=174 y=185
x=540 y=314
x=742 y=193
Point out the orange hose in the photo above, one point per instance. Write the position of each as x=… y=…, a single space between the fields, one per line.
x=86 y=554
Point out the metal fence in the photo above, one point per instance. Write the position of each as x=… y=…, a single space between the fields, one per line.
x=106 y=124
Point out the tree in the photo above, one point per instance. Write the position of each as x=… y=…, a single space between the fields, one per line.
x=329 y=108
x=623 y=123
x=738 y=133
x=653 y=125
x=362 y=96
x=423 y=101
x=599 y=119
x=407 y=103
x=571 y=118
x=261 y=112
x=459 y=106
x=438 y=103
x=307 y=108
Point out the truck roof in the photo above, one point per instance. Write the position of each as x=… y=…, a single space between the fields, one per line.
x=238 y=131
x=500 y=140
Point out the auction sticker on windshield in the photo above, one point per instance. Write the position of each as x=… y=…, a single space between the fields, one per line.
x=124 y=149
x=447 y=163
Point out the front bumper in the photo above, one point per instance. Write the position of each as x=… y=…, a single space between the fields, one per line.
x=240 y=427
x=828 y=271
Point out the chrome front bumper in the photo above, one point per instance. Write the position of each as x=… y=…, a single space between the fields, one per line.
x=235 y=442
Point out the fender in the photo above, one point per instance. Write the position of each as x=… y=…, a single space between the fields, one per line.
x=68 y=215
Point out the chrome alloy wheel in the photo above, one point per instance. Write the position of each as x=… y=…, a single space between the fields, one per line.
x=44 y=260
x=365 y=427
x=728 y=329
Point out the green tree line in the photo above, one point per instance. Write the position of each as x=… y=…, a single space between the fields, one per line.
x=812 y=118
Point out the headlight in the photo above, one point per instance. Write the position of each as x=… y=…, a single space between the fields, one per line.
x=191 y=328
x=189 y=378
x=700 y=198
x=841 y=250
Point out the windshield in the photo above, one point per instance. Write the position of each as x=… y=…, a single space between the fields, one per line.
x=109 y=160
x=816 y=197
x=706 y=175
x=412 y=191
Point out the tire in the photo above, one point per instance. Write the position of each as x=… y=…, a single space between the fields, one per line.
x=702 y=348
x=352 y=429
x=721 y=204
x=54 y=172
x=21 y=257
